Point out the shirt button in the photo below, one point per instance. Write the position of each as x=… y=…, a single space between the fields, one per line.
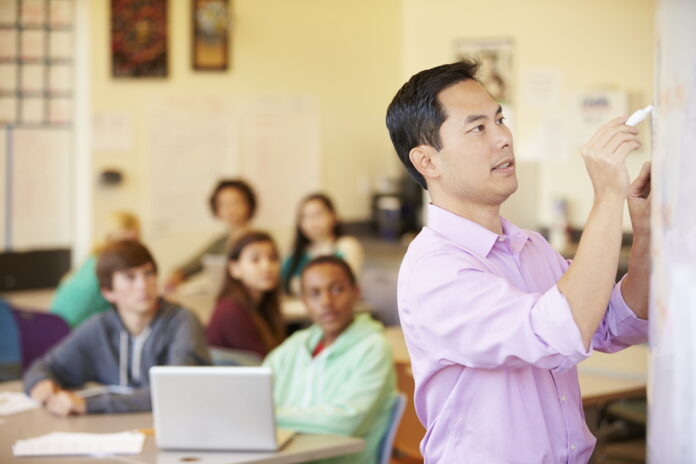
x=501 y=239
x=572 y=447
x=563 y=398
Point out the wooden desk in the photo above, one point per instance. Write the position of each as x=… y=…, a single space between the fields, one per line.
x=301 y=448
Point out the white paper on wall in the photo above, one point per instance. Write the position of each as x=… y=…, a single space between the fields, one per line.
x=190 y=146
x=280 y=154
x=112 y=132
x=41 y=167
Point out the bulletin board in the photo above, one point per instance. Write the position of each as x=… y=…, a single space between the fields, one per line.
x=36 y=111
x=672 y=393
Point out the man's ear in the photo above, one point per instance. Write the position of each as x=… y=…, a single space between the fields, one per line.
x=422 y=159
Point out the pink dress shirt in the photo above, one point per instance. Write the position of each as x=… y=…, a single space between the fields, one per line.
x=493 y=345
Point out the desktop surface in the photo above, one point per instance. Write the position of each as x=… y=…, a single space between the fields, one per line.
x=37 y=422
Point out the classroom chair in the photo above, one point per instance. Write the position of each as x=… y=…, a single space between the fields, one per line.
x=228 y=357
x=410 y=431
x=387 y=443
x=10 y=353
x=38 y=333
x=622 y=433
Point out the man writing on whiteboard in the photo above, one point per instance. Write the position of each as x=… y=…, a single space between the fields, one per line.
x=495 y=320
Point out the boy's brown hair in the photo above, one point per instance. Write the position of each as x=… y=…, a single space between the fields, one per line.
x=119 y=256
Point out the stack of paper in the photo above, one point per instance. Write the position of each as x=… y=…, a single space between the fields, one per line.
x=77 y=444
x=13 y=402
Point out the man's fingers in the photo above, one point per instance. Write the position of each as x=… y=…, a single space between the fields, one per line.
x=641 y=186
x=619 y=139
x=603 y=130
x=626 y=148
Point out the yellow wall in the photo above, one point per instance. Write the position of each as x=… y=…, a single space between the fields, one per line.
x=594 y=44
x=346 y=55
x=351 y=57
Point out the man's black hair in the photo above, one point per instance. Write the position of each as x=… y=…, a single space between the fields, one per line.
x=415 y=114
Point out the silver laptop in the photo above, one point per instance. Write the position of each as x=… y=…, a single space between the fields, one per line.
x=215 y=408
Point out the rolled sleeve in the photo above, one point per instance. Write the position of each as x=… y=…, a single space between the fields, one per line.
x=620 y=327
x=552 y=321
x=477 y=319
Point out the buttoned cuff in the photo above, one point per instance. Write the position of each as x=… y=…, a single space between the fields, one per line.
x=552 y=321
x=622 y=322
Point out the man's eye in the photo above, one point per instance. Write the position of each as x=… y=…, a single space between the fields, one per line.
x=478 y=129
x=501 y=120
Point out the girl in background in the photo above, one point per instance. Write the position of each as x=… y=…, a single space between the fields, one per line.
x=247 y=314
x=318 y=232
x=233 y=202
x=78 y=295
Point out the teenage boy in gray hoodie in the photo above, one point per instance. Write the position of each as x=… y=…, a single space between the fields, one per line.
x=117 y=348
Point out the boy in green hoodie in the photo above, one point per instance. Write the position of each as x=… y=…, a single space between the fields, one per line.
x=336 y=377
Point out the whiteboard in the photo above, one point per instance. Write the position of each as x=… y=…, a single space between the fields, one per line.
x=672 y=401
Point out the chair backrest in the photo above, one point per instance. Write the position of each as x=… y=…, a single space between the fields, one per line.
x=10 y=352
x=229 y=357
x=385 y=448
x=38 y=333
x=411 y=431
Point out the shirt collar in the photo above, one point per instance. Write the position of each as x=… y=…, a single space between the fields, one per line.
x=472 y=235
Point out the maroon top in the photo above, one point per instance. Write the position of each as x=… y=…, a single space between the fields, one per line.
x=231 y=327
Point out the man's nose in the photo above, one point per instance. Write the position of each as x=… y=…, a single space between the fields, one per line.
x=503 y=138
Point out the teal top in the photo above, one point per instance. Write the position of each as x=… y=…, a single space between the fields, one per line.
x=347 y=389
x=78 y=296
x=285 y=267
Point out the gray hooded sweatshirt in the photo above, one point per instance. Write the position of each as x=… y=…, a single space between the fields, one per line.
x=102 y=350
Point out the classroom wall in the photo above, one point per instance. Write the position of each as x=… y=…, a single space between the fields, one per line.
x=350 y=58
x=595 y=44
x=345 y=56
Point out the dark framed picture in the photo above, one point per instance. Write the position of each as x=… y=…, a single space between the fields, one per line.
x=139 y=38
x=210 y=47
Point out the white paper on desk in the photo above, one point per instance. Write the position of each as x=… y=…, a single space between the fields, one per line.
x=14 y=402
x=80 y=444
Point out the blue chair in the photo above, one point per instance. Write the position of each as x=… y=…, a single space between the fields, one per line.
x=387 y=443
x=10 y=351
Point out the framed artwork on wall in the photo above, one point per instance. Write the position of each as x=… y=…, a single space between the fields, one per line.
x=139 y=38
x=495 y=56
x=210 y=47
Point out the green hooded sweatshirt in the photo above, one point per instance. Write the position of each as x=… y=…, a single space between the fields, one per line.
x=347 y=389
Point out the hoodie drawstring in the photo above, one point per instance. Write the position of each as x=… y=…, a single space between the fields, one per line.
x=138 y=345
x=123 y=359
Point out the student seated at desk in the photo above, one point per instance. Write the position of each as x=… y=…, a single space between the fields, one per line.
x=78 y=296
x=336 y=377
x=117 y=348
x=247 y=313
x=233 y=202
x=318 y=232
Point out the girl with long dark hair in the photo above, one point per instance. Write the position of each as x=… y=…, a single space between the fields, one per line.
x=247 y=314
x=318 y=232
